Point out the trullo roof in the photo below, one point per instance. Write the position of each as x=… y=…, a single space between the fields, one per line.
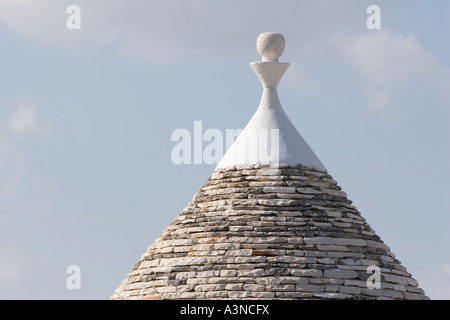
x=270 y=223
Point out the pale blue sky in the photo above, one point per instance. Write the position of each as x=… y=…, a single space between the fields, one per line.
x=86 y=118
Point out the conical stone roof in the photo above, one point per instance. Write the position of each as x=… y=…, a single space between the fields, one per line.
x=274 y=230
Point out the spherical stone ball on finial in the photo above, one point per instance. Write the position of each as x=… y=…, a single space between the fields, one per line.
x=270 y=45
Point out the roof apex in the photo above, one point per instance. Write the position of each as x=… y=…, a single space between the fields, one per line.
x=270 y=138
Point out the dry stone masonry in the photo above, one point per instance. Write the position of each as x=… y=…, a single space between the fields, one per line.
x=265 y=233
x=277 y=230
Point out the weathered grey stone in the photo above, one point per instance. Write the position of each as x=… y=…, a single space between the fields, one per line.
x=269 y=240
x=309 y=288
x=412 y=282
x=350 y=290
x=216 y=294
x=334 y=193
x=188 y=261
x=356 y=283
x=192 y=295
x=166 y=289
x=316 y=254
x=394 y=279
x=249 y=172
x=339 y=273
x=251 y=273
x=269 y=172
x=148 y=264
x=267 y=280
x=220 y=259
x=250 y=259
x=185 y=288
x=326 y=261
x=307 y=273
x=291 y=259
x=228 y=273
x=333 y=214
x=414 y=296
x=297 y=253
x=400 y=287
x=263 y=295
x=279 y=189
x=253 y=287
x=134 y=286
x=243 y=266
x=352 y=267
x=234 y=286
x=181 y=249
x=308 y=191
x=292 y=280
x=350 y=242
x=411 y=289
x=216 y=176
x=261 y=223
x=264 y=233
x=331 y=288
x=226 y=246
x=392 y=294
x=210 y=287
x=206 y=253
x=320 y=184
x=239 y=294
x=239 y=252
x=224 y=280
x=332 y=248
x=377 y=244
x=276 y=202
x=207 y=274
x=240 y=228
x=322 y=224
x=280 y=287
x=266 y=184
x=318 y=240
x=342 y=224
x=293 y=295
x=294 y=196
x=196 y=281
x=325 y=281
x=330 y=295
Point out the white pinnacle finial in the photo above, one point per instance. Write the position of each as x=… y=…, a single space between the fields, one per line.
x=286 y=147
x=270 y=46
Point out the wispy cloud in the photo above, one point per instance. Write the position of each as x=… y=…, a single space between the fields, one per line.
x=24 y=196
x=12 y=263
x=389 y=75
x=396 y=70
x=167 y=31
x=12 y=162
x=158 y=31
x=23 y=120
